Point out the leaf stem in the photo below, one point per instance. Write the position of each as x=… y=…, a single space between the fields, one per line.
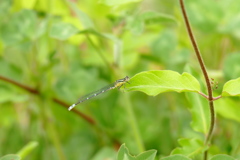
x=213 y=98
x=203 y=68
x=204 y=95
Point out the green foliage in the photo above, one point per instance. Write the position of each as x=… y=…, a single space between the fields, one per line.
x=104 y=153
x=123 y=154
x=200 y=113
x=10 y=157
x=228 y=108
x=136 y=23
x=231 y=88
x=175 y=157
x=156 y=82
x=83 y=18
x=62 y=31
x=117 y=2
x=222 y=157
x=57 y=51
x=27 y=149
x=190 y=147
x=231 y=66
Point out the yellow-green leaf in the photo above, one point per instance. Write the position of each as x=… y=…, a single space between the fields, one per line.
x=155 y=82
x=232 y=88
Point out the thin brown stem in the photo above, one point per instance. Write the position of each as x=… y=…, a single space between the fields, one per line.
x=36 y=92
x=199 y=57
x=203 y=68
x=58 y=101
x=29 y=89
x=85 y=117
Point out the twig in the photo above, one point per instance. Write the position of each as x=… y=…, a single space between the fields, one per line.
x=36 y=92
x=87 y=118
x=29 y=89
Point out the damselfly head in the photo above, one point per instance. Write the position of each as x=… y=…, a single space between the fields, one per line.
x=126 y=78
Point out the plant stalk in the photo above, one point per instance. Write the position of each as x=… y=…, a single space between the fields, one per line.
x=204 y=71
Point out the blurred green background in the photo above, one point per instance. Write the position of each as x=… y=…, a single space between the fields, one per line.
x=65 y=49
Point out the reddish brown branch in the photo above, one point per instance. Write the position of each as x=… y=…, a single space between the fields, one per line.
x=31 y=90
x=198 y=54
x=203 y=68
x=87 y=118
x=36 y=92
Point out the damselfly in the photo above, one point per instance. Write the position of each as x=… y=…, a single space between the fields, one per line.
x=117 y=84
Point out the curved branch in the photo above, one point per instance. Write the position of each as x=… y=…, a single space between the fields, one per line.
x=36 y=92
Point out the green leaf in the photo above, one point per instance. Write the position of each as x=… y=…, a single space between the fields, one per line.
x=9 y=94
x=41 y=29
x=231 y=26
x=222 y=157
x=84 y=19
x=10 y=157
x=27 y=149
x=24 y=25
x=200 y=112
x=105 y=153
x=135 y=25
x=28 y=4
x=161 y=48
x=231 y=67
x=231 y=88
x=26 y=21
x=123 y=154
x=5 y=7
x=62 y=31
x=228 y=108
x=10 y=32
x=155 y=82
x=117 y=2
x=23 y=4
x=117 y=51
x=190 y=147
x=148 y=155
x=175 y=157
x=150 y=17
x=118 y=47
